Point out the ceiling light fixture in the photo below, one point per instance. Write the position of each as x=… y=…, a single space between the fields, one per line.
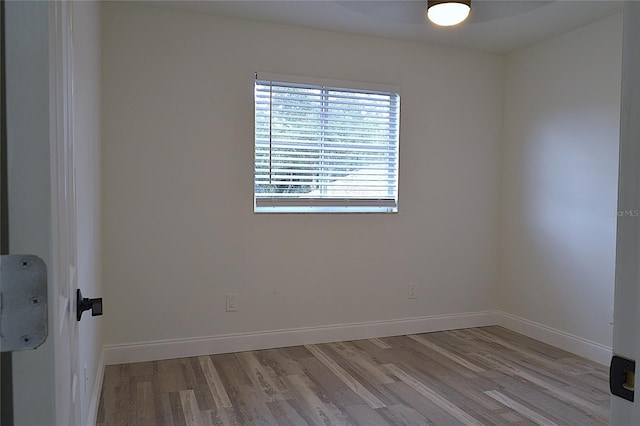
x=448 y=12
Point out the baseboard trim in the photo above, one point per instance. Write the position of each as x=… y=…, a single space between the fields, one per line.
x=178 y=348
x=586 y=348
x=92 y=415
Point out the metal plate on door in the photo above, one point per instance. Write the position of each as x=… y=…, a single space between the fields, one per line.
x=622 y=377
x=23 y=302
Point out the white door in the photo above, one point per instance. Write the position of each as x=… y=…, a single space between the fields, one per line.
x=41 y=201
x=626 y=336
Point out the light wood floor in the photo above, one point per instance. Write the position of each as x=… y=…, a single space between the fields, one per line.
x=485 y=376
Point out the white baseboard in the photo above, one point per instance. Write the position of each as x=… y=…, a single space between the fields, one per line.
x=92 y=415
x=178 y=348
x=586 y=348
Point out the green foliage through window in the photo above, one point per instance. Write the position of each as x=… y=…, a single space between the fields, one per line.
x=325 y=143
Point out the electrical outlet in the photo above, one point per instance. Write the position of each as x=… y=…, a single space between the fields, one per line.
x=232 y=302
x=413 y=294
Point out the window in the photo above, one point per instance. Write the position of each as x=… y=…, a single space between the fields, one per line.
x=325 y=146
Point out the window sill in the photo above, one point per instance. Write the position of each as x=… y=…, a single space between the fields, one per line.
x=324 y=209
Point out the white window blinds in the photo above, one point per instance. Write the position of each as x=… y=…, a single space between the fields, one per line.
x=325 y=147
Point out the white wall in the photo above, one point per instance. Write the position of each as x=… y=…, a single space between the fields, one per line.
x=86 y=43
x=559 y=181
x=179 y=232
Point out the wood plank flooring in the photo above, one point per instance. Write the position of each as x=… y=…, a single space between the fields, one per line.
x=479 y=376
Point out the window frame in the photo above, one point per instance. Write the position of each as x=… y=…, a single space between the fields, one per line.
x=328 y=204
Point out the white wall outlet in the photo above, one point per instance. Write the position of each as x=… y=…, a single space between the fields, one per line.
x=232 y=302
x=413 y=292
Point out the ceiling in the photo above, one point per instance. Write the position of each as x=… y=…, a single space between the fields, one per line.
x=498 y=26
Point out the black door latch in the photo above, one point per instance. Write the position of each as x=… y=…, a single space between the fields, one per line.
x=622 y=377
x=84 y=304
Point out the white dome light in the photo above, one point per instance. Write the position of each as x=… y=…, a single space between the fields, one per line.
x=448 y=13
